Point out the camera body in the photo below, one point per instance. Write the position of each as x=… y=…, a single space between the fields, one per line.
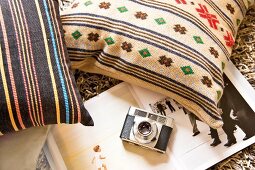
x=147 y=129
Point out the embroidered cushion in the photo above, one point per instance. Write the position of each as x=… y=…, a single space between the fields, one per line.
x=36 y=85
x=178 y=47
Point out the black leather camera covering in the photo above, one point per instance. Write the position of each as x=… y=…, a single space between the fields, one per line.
x=128 y=124
x=163 y=138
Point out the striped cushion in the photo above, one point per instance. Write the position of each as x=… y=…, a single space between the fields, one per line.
x=177 y=47
x=36 y=85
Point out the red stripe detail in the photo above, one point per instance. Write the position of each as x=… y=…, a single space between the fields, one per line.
x=22 y=68
x=13 y=85
x=212 y=19
x=181 y=1
x=33 y=64
x=229 y=39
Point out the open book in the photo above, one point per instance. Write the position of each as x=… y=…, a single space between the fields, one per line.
x=193 y=144
x=83 y=147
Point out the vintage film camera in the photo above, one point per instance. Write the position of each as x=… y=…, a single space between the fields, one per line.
x=146 y=129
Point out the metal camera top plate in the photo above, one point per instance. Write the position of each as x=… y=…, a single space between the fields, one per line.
x=160 y=119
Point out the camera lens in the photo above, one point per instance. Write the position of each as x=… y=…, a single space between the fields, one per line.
x=144 y=128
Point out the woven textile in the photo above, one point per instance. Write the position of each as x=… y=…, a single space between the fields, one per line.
x=178 y=48
x=36 y=86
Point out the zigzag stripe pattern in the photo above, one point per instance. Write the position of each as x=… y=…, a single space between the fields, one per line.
x=204 y=13
x=188 y=53
x=178 y=48
x=140 y=72
x=186 y=16
x=224 y=17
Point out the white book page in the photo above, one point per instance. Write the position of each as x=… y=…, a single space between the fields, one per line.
x=108 y=111
x=195 y=152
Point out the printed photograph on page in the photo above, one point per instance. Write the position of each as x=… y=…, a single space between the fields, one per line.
x=192 y=139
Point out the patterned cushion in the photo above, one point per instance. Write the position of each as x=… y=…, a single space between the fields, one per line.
x=36 y=85
x=178 y=47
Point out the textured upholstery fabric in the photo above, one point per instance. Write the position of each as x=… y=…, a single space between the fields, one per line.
x=177 y=47
x=36 y=86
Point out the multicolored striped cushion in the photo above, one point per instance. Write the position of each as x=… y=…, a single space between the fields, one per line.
x=36 y=85
x=175 y=47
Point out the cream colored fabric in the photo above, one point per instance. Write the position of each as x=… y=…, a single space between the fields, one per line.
x=178 y=48
x=20 y=150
